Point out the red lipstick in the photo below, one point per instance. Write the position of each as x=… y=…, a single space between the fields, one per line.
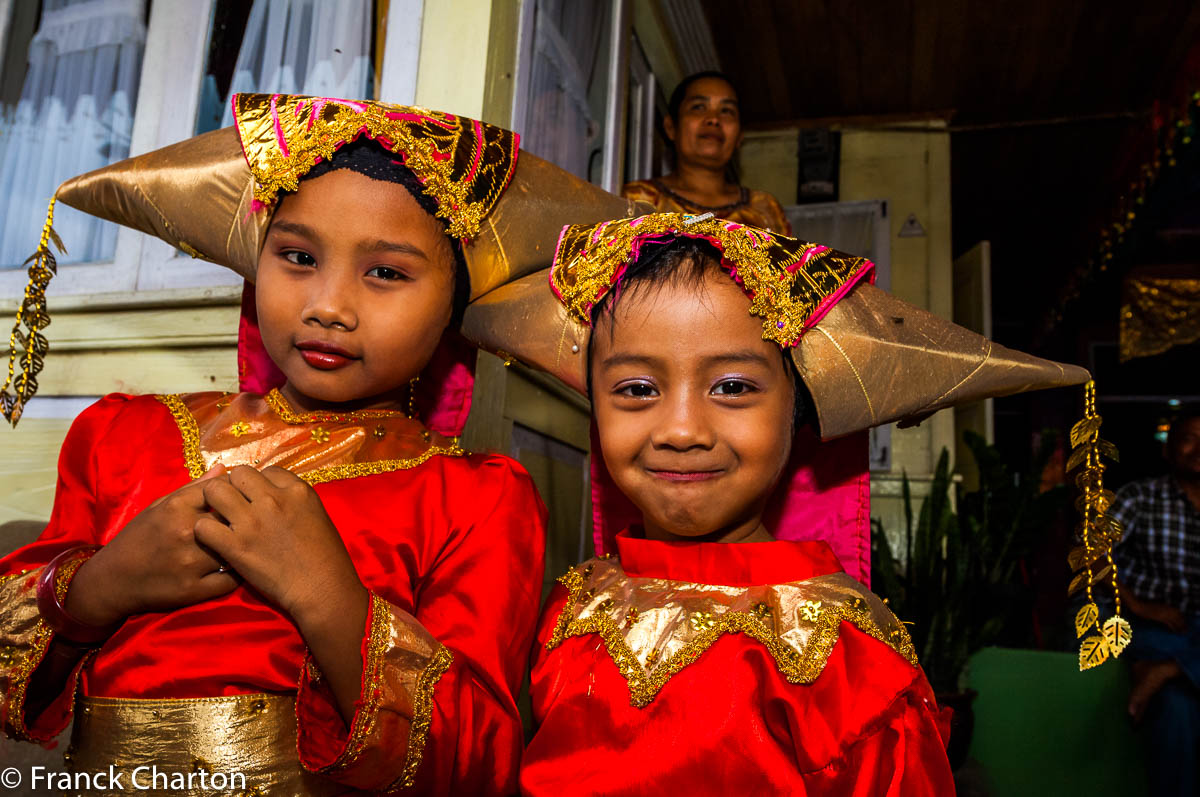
x=323 y=355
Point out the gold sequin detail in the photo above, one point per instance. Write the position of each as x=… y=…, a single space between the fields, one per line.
x=240 y=428
x=762 y=611
x=788 y=280
x=810 y=610
x=702 y=621
x=463 y=164
x=379 y=432
x=798 y=666
x=320 y=435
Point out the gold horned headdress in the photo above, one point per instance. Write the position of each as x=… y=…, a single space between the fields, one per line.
x=212 y=197
x=866 y=357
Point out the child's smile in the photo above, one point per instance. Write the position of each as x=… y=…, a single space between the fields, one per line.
x=353 y=302
x=693 y=407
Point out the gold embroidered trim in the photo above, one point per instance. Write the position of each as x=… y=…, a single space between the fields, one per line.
x=372 y=694
x=189 y=431
x=356 y=469
x=279 y=405
x=464 y=165
x=788 y=280
x=422 y=715
x=798 y=665
x=20 y=673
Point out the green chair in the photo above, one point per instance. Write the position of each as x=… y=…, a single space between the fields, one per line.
x=1044 y=728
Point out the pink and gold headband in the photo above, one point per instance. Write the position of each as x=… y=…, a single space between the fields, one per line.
x=791 y=283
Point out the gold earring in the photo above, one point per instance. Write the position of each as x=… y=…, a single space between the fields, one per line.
x=412 y=396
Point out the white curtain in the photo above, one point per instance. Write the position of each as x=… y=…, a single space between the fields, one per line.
x=318 y=47
x=560 y=126
x=75 y=114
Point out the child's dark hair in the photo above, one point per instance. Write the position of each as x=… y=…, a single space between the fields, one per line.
x=372 y=160
x=686 y=262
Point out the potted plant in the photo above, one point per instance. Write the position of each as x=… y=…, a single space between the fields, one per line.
x=961 y=581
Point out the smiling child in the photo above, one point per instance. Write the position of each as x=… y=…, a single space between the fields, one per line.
x=724 y=649
x=310 y=586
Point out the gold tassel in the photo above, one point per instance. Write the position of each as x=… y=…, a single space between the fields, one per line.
x=1098 y=533
x=33 y=315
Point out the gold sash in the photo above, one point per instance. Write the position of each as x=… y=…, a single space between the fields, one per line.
x=240 y=745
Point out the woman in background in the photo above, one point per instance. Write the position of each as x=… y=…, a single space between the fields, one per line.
x=705 y=129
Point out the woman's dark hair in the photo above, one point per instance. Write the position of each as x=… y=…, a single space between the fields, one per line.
x=685 y=262
x=681 y=90
x=371 y=159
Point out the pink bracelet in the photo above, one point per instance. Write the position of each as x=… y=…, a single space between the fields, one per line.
x=50 y=605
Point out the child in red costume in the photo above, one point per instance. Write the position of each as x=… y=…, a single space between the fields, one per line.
x=721 y=644
x=308 y=585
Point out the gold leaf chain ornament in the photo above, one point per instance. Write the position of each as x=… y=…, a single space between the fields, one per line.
x=28 y=348
x=1098 y=532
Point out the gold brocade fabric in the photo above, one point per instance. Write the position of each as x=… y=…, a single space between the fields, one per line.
x=403 y=666
x=464 y=164
x=756 y=208
x=1158 y=313
x=244 y=744
x=788 y=280
x=654 y=627
x=24 y=638
x=261 y=431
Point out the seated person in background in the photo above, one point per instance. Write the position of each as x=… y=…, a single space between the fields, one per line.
x=1159 y=562
x=705 y=129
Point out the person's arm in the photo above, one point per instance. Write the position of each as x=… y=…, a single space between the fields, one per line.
x=136 y=571
x=901 y=753
x=388 y=698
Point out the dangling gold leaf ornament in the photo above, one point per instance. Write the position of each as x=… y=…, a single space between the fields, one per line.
x=28 y=347
x=1098 y=532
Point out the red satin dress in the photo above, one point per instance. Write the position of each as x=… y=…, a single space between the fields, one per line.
x=707 y=668
x=450 y=546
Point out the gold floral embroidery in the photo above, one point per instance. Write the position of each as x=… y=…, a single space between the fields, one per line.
x=320 y=435
x=799 y=645
x=464 y=165
x=238 y=429
x=788 y=280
